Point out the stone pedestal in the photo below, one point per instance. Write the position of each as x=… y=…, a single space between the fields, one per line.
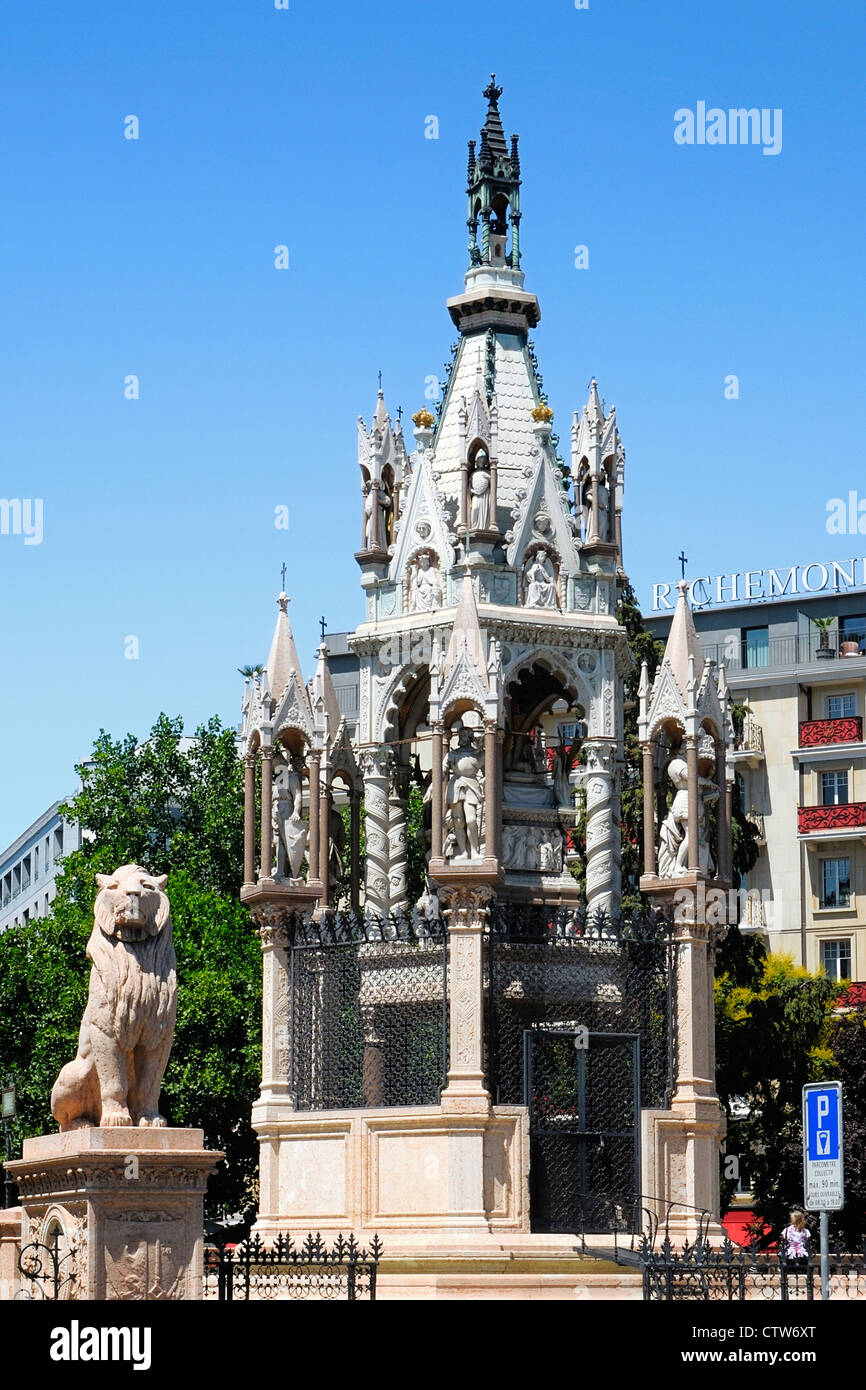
x=128 y=1204
x=681 y=1146
x=10 y=1246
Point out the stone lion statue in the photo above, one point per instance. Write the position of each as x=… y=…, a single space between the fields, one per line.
x=128 y=1026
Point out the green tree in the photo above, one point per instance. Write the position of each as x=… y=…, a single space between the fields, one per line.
x=772 y=1028
x=848 y=1042
x=175 y=806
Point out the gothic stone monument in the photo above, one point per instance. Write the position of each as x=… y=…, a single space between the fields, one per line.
x=122 y=1190
x=396 y=1095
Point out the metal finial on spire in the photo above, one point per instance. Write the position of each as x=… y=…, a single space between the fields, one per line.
x=380 y=381
x=283 y=574
x=323 y=625
x=684 y=560
x=491 y=91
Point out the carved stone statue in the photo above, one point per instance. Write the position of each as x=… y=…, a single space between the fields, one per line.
x=586 y=503
x=128 y=1025
x=290 y=831
x=479 y=494
x=562 y=763
x=673 y=853
x=377 y=504
x=603 y=508
x=540 y=582
x=464 y=795
x=426 y=591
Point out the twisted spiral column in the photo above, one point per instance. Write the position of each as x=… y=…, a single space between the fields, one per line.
x=602 y=829
x=398 y=793
x=375 y=769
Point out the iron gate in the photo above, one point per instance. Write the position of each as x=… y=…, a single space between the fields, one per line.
x=583 y=1094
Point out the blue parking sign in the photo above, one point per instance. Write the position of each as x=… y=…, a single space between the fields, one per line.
x=823 y=1179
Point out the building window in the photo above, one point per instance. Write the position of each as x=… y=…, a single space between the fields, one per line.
x=347 y=698
x=835 y=882
x=842 y=706
x=853 y=629
x=834 y=788
x=836 y=959
x=756 y=646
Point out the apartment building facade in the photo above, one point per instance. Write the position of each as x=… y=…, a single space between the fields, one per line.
x=800 y=765
x=29 y=867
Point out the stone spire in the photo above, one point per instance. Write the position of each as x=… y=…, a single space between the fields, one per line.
x=325 y=692
x=493 y=193
x=683 y=647
x=466 y=635
x=283 y=656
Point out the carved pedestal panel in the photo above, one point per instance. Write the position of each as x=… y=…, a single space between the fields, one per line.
x=126 y=1205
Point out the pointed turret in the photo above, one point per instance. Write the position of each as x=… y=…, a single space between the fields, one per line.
x=324 y=692
x=493 y=192
x=683 y=651
x=466 y=635
x=283 y=657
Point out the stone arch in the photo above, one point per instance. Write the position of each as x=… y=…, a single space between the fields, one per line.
x=563 y=667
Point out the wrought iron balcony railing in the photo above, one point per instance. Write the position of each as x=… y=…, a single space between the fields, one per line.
x=818 y=733
x=851 y=815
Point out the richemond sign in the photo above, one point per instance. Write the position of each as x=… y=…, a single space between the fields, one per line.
x=752 y=585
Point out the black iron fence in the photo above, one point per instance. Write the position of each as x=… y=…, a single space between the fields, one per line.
x=368 y=1024
x=704 y=1273
x=255 y=1271
x=579 y=1030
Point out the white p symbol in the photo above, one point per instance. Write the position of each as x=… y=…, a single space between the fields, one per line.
x=823 y=1108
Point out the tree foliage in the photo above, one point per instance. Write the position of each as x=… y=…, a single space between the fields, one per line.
x=848 y=1042
x=772 y=1028
x=175 y=806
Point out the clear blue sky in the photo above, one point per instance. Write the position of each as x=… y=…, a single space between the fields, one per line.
x=306 y=127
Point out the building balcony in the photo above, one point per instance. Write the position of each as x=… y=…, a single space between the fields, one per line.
x=832 y=820
x=820 y=733
x=757 y=820
x=749 y=743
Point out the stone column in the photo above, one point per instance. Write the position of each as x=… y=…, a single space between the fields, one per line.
x=649 y=823
x=723 y=811
x=267 y=865
x=464 y=493
x=375 y=764
x=250 y=818
x=692 y=765
x=601 y=832
x=374 y=1062
x=436 y=791
x=491 y=803
x=398 y=791
x=465 y=913
x=324 y=834
x=315 y=812
x=277 y=1009
x=355 y=851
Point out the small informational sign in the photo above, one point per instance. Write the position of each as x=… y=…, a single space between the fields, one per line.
x=8 y=1101
x=823 y=1172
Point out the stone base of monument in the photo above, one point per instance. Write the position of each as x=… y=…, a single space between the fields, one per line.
x=446 y=1192
x=126 y=1205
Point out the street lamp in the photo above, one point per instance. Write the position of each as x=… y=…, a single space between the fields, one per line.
x=8 y=1112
